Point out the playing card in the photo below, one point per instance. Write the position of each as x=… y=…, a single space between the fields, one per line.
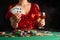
x=16 y=9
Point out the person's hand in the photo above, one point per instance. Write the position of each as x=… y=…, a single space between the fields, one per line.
x=14 y=22
x=42 y=22
x=17 y=17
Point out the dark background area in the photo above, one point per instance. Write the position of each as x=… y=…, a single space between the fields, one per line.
x=50 y=7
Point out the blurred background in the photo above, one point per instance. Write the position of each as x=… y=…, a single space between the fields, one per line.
x=50 y=7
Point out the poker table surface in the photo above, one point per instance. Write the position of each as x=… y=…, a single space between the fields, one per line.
x=55 y=36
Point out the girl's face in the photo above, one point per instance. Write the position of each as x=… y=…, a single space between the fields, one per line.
x=22 y=0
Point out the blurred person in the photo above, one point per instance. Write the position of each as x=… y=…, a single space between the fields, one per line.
x=25 y=15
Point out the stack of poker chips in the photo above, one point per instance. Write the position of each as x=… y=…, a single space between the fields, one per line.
x=18 y=33
x=2 y=34
x=25 y=33
x=33 y=32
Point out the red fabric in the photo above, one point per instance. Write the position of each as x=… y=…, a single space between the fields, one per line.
x=28 y=21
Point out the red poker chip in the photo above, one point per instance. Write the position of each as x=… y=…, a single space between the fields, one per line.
x=0 y=32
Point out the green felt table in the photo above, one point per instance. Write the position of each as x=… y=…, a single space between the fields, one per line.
x=52 y=37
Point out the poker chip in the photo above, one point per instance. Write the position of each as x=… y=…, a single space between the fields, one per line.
x=32 y=32
x=25 y=33
x=41 y=27
x=0 y=32
x=16 y=33
x=9 y=35
x=21 y=34
x=3 y=33
x=46 y=32
x=35 y=31
x=28 y=31
x=19 y=30
x=12 y=36
x=22 y=31
x=39 y=34
x=28 y=35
